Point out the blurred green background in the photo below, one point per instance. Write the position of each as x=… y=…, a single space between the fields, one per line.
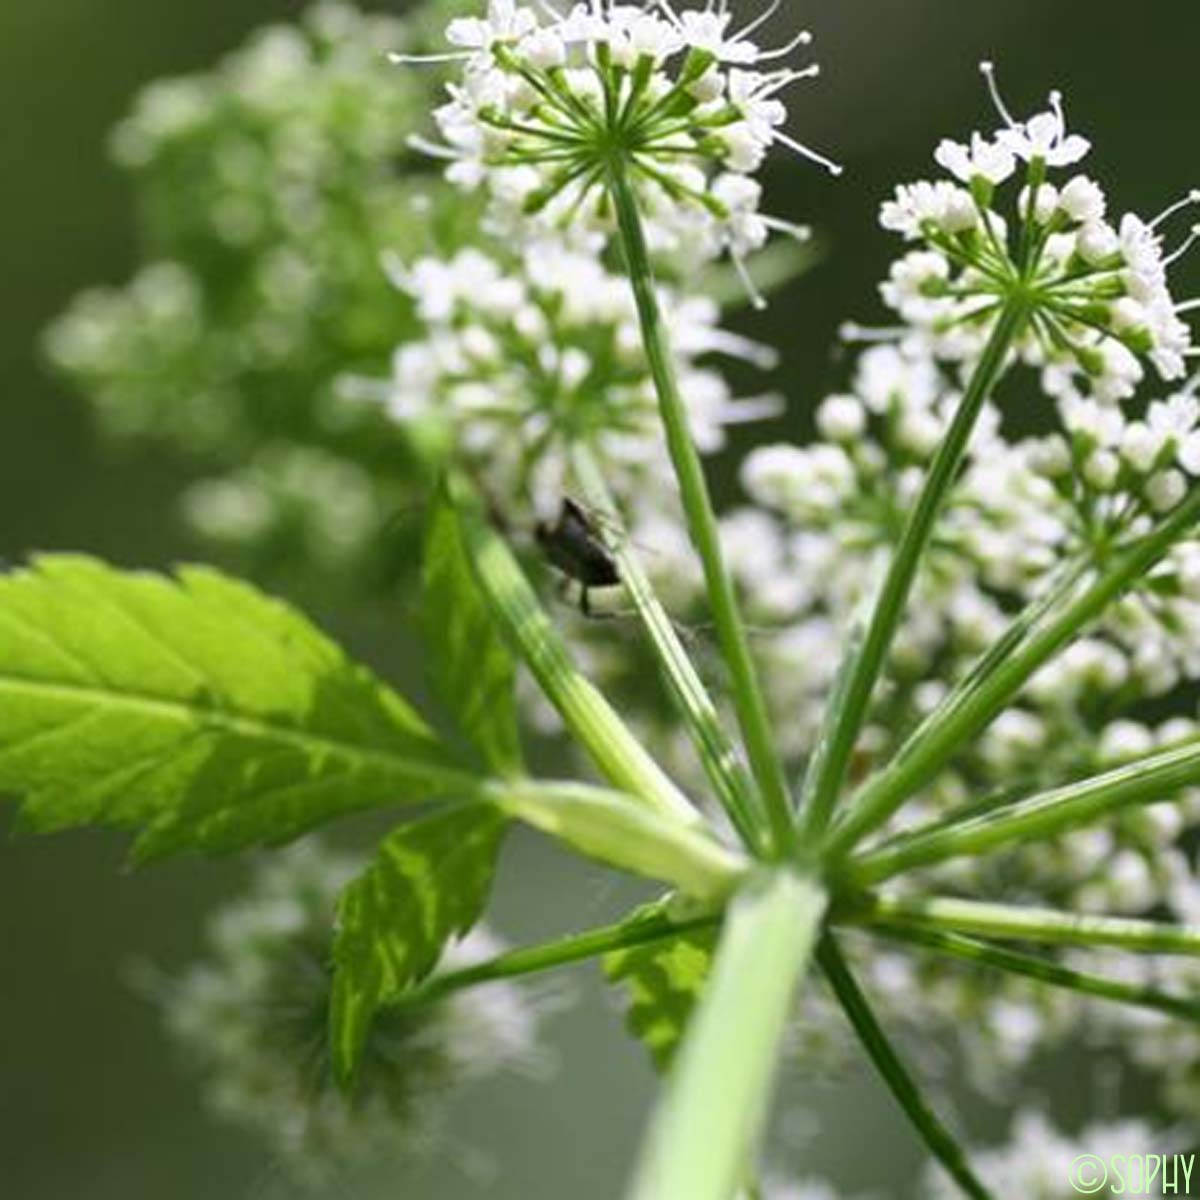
x=92 y=1102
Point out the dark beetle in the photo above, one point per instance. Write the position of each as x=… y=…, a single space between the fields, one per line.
x=574 y=546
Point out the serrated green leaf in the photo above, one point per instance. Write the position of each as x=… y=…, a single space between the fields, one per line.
x=472 y=668
x=663 y=981
x=428 y=883
x=194 y=709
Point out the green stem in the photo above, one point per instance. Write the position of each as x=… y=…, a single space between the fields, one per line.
x=895 y=1074
x=949 y=915
x=1149 y=778
x=616 y=830
x=932 y=745
x=704 y=1135
x=748 y=698
x=826 y=770
x=734 y=786
x=1031 y=966
x=618 y=755
x=534 y=960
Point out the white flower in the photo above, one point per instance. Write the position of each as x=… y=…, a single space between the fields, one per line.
x=708 y=30
x=1042 y=138
x=841 y=418
x=947 y=207
x=1082 y=200
x=982 y=159
x=506 y=21
x=518 y=361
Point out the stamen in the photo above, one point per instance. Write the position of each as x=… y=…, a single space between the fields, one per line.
x=802 y=233
x=832 y=167
x=851 y=331
x=758 y=21
x=746 y=409
x=757 y=300
x=989 y=73
x=670 y=13
x=1188 y=306
x=1193 y=197
x=803 y=38
x=1056 y=106
x=427 y=59
x=433 y=149
x=1192 y=387
x=1191 y=239
x=722 y=341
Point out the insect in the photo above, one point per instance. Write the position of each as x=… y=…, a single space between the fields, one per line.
x=573 y=545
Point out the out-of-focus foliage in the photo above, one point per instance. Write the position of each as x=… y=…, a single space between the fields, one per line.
x=472 y=670
x=268 y=190
x=253 y=1016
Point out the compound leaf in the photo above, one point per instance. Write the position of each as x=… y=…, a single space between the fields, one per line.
x=428 y=883
x=472 y=668
x=193 y=709
x=663 y=981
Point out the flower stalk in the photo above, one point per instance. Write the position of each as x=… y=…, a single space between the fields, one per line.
x=893 y=1071
x=550 y=956
x=620 y=757
x=1005 y=921
x=1043 y=970
x=1148 y=779
x=722 y=762
x=932 y=745
x=826 y=771
x=748 y=699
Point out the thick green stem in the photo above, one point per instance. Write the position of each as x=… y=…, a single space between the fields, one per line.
x=1150 y=778
x=827 y=769
x=703 y=1137
x=1030 y=966
x=748 y=699
x=534 y=960
x=616 y=830
x=895 y=1074
x=619 y=756
x=1009 y=922
x=933 y=744
x=726 y=771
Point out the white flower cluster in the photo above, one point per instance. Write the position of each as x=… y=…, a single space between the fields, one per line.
x=685 y=100
x=519 y=364
x=826 y=515
x=251 y=1013
x=1093 y=294
x=809 y=552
